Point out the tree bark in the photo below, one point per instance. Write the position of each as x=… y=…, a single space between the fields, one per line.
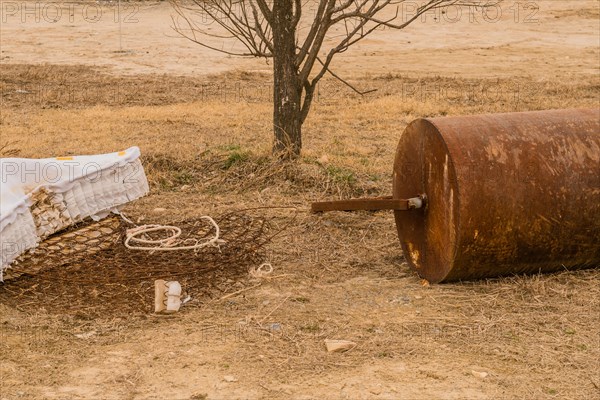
x=287 y=88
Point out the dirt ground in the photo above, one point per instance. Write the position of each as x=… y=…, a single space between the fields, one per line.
x=202 y=121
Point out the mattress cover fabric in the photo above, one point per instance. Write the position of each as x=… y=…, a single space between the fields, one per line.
x=39 y=197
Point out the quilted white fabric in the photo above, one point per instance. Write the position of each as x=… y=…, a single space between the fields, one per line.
x=41 y=197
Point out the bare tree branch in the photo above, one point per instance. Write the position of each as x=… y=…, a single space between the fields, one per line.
x=344 y=81
x=266 y=11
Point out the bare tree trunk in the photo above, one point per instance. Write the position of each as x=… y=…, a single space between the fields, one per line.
x=287 y=88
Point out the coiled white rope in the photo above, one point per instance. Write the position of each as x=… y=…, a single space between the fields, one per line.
x=171 y=243
x=262 y=271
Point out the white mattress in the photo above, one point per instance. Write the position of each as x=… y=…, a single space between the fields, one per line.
x=41 y=197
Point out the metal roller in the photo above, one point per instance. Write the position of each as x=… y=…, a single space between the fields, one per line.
x=499 y=194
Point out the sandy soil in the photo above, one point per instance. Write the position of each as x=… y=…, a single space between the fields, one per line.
x=553 y=40
x=337 y=276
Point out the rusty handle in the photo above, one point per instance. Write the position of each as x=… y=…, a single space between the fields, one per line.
x=371 y=204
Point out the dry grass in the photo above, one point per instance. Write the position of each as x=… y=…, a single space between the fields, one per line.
x=342 y=275
x=188 y=127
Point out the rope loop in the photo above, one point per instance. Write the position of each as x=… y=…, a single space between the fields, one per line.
x=262 y=271
x=170 y=243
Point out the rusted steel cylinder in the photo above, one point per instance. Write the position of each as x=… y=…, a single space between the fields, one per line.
x=506 y=193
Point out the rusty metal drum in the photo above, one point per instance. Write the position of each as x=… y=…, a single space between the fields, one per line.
x=505 y=193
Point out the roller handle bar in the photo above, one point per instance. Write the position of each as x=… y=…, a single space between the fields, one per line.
x=370 y=204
